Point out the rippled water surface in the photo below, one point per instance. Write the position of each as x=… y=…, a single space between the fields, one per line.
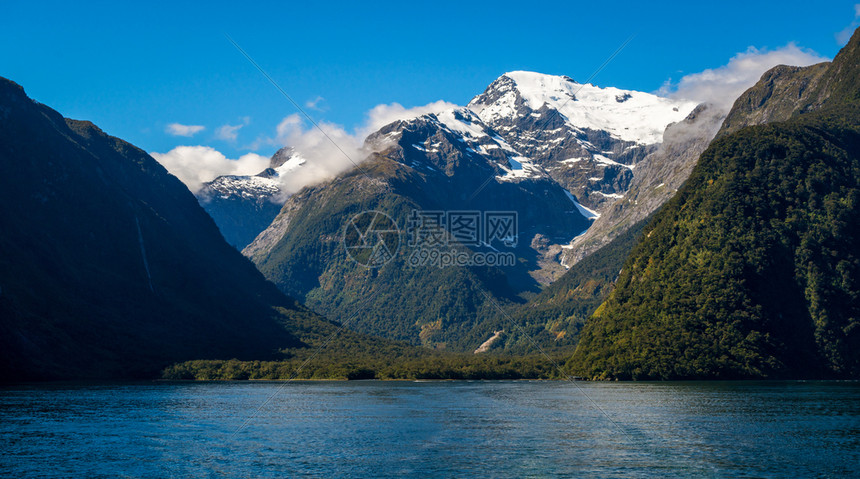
x=431 y=429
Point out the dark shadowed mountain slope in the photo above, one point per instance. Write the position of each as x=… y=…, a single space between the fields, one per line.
x=108 y=266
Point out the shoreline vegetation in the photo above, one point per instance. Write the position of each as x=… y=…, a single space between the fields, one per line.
x=447 y=367
x=453 y=368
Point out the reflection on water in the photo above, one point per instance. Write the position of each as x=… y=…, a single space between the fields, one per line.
x=453 y=429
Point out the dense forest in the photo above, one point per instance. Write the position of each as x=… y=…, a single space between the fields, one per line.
x=554 y=318
x=752 y=270
x=335 y=352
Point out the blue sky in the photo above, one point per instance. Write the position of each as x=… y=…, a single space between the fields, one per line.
x=135 y=69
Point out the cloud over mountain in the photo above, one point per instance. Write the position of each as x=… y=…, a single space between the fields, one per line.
x=721 y=86
x=328 y=150
x=195 y=165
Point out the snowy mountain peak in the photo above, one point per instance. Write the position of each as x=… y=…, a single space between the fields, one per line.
x=243 y=205
x=436 y=141
x=527 y=129
x=264 y=185
x=282 y=156
x=625 y=114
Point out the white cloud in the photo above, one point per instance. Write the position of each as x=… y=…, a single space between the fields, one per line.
x=721 y=86
x=845 y=35
x=195 y=165
x=228 y=132
x=381 y=115
x=326 y=155
x=317 y=104
x=177 y=129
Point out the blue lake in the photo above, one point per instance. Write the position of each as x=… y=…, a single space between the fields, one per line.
x=431 y=429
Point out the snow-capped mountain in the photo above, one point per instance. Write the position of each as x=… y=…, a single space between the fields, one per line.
x=524 y=126
x=265 y=185
x=657 y=178
x=626 y=115
x=554 y=151
x=242 y=206
x=455 y=148
x=587 y=138
x=529 y=126
x=436 y=141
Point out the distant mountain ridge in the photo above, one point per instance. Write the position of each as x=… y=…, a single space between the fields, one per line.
x=588 y=139
x=503 y=152
x=243 y=206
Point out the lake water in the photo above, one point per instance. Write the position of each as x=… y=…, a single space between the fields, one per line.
x=431 y=429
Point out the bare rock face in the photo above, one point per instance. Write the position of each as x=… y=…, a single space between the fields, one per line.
x=588 y=139
x=657 y=179
x=781 y=92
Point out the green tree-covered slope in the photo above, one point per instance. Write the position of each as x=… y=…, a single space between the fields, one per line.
x=450 y=307
x=753 y=269
x=555 y=317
